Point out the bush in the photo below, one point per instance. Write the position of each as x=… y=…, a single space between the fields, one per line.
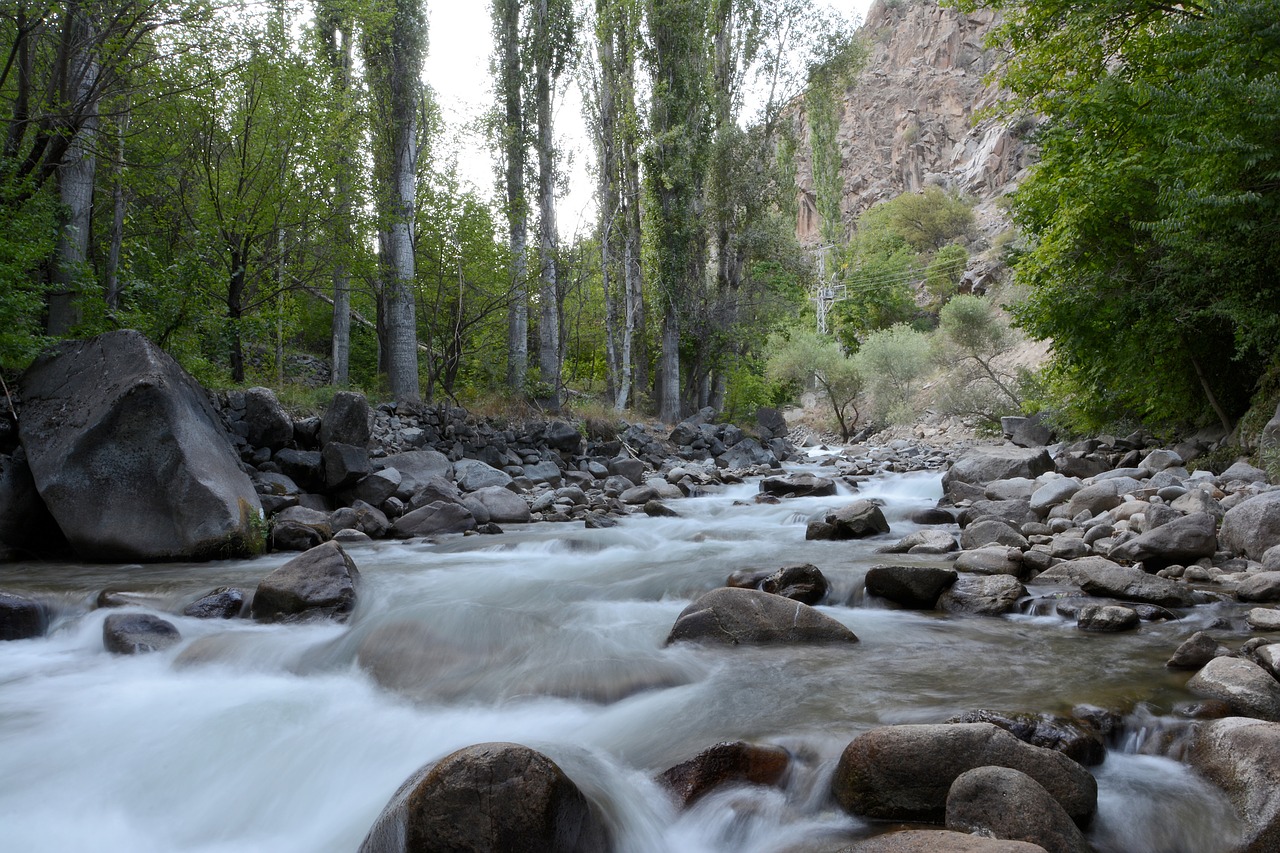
x=893 y=361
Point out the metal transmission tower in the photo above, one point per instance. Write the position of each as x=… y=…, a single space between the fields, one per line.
x=827 y=292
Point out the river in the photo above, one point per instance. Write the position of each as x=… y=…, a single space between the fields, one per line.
x=292 y=738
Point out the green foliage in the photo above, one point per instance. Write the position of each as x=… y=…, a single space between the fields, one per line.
x=971 y=337
x=1153 y=218
x=801 y=356
x=925 y=221
x=893 y=361
x=27 y=239
x=944 y=272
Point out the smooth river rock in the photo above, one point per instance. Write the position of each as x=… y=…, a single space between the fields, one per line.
x=938 y=841
x=1010 y=805
x=487 y=798
x=732 y=616
x=21 y=618
x=130 y=458
x=318 y=583
x=138 y=633
x=1252 y=526
x=1242 y=756
x=914 y=587
x=856 y=520
x=1248 y=688
x=725 y=764
x=904 y=773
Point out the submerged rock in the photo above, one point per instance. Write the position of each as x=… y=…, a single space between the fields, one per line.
x=486 y=798
x=138 y=633
x=21 y=618
x=315 y=584
x=724 y=764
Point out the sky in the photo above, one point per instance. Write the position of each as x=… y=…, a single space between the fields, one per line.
x=457 y=69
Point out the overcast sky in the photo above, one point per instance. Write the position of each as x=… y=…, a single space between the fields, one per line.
x=457 y=69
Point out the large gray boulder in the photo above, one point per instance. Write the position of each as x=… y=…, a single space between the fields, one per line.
x=486 y=798
x=1183 y=540
x=346 y=420
x=1102 y=577
x=269 y=424
x=856 y=520
x=503 y=505
x=1052 y=493
x=904 y=773
x=416 y=468
x=1239 y=756
x=1001 y=802
x=1252 y=526
x=982 y=465
x=1249 y=689
x=913 y=587
x=319 y=583
x=732 y=616
x=435 y=519
x=980 y=595
x=473 y=475
x=130 y=458
x=1260 y=587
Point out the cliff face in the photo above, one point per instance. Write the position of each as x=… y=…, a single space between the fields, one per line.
x=907 y=121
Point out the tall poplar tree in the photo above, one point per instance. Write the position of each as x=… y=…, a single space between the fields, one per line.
x=393 y=44
x=513 y=149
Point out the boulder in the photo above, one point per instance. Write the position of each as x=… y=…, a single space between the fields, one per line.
x=1239 y=756
x=544 y=472
x=138 y=633
x=435 y=519
x=1262 y=587
x=914 y=587
x=269 y=424
x=225 y=602
x=472 y=475
x=489 y=797
x=319 y=583
x=1249 y=689
x=344 y=465
x=747 y=453
x=21 y=618
x=377 y=487
x=922 y=542
x=306 y=467
x=361 y=517
x=1194 y=652
x=1264 y=619
x=1013 y=489
x=1100 y=496
x=798 y=486
x=25 y=522
x=803 y=583
x=856 y=520
x=991 y=532
x=346 y=420
x=1106 y=618
x=503 y=505
x=562 y=436
x=1241 y=471
x=725 y=764
x=129 y=457
x=771 y=423
x=992 y=560
x=1181 y=541
x=1252 y=526
x=984 y=596
x=982 y=465
x=1100 y=576
x=904 y=773
x=937 y=841
x=416 y=467
x=1078 y=739
x=1004 y=803
x=628 y=467
x=730 y=616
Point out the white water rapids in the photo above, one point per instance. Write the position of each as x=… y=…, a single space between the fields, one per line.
x=252 y=738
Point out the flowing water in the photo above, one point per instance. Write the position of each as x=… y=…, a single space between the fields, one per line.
x=292 y=738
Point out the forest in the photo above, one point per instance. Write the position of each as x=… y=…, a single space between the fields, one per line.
x=254 y=183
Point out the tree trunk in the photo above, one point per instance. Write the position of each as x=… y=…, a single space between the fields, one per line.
x=112 y=277
x=238 y=249
x=335 y=24
x=75 y=178
x=548 y=294
x=514 y=146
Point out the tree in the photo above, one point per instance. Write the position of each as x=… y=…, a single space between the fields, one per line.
x=1152 y=217
x=802 y=356
x=513 y=147
x=893 y=360
x=393 y=44
x=973 y=333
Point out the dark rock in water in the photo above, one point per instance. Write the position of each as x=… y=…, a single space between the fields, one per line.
x=731 y=616
x=315 y=584
x=922 y=542
x=136 y=633
x=747 y=578
x=21 y=618
x=1107 y=618
x=1079 y=739
x=1196 y=651
x=269 y=424
x=129 y=457
x=486 y=798
x=915 y=587
x=1239 y=756
x=856 y=520
x=346 y=420
x=932 y=516
x=904 y=773
x=289 y=535
x=1008 y=804
x=798 y=486
x=657 y=509
x=223 y=603
x=938 y=841
x=344 y=465
x=804 y=583
x=434 y=519
x=1182 y=541
x=599 y=521
x=723 y=764
x=1249 y=689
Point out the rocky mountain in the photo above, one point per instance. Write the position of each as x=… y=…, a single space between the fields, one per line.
x=916 y=116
